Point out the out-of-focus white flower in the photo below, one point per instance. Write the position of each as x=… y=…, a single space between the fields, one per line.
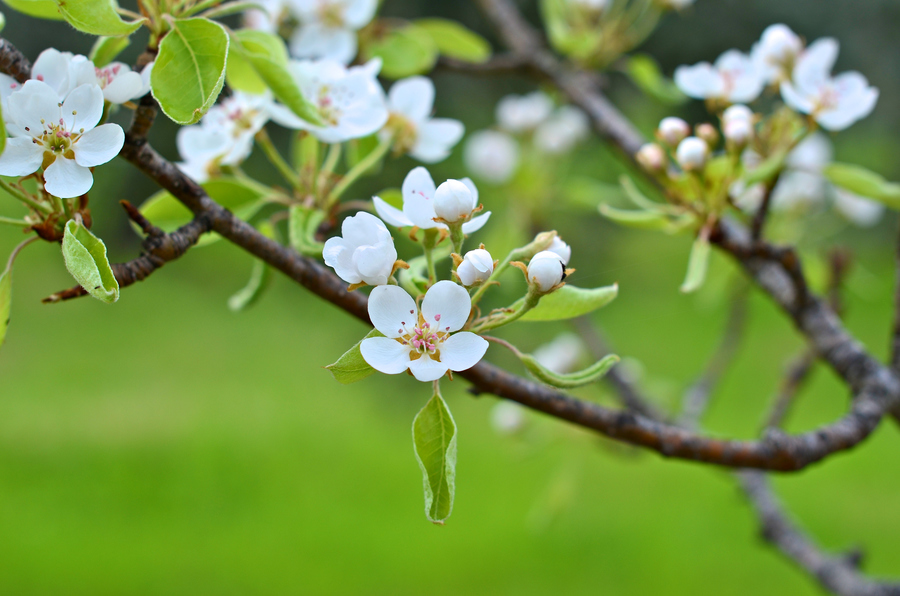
x=422 y=342
x=672 y=130
x=651 y=157
x=859 y=210
x=776 y=52
x=595 y=6
x=59 y=136
x=546 y=270
x=835 y=103
x=560 y=355
x=802 y=183
x=476 y=267
x=561 y=249
x=523 y=113
x=454 y=201
x=737 y=125
x=328 y=28
x=507 y=417
x=364 y=253
x=269 y=18
x=492 y=156
x=737 y=112
x=733 y=79
x=419 y=204
x=562 y=131
x=692 y=153
x=427 y=139
x=349 y=100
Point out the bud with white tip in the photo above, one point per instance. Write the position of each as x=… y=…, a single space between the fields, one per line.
x=738 y=132
x=672 y=130
x=708 y=133
x=546 y=270
x=737 y=112
x=454 y=201
x=476 y=267
x=692 y=154
x=651 y=157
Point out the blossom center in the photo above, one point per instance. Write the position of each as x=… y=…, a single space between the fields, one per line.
x=424 y=338
x=56 y=139
x=328 y=109
x=331 y=15
x=405 y=132
x=107 y=75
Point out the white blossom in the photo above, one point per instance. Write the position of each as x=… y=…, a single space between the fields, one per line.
x=692 y=154
x=476 y=267
x=492 y=156
x=350 y=101
x=364 y=253
x=859 y=210
x=328 y=28
x=733 y=79
x=546 y=270
x=418 y=192
x=776 y=52
x=427 y=139
x=423 y=342
x=802 y=183
x=63 y=138
x=567 y=127
x=672 y=130
x=523 y=113
x=269 y=18
x=836 y=102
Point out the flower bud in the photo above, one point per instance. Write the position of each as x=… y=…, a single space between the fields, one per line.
x=561 y=249
x=651 y=157
x=738 y=132
x=475 y=268
x=545 y=270
x=708 y=133
x=453 y=201
x=672 y=130
x=692 y=154
x=737 y=112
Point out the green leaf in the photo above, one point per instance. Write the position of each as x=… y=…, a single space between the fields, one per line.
x=242 y=197
x=260 y=276
x=637 y=197
x=434 y=442
x=303 y=222
x=358 y=149
x=581 y=378
x=105 y=49
x=768 y=169
x=587 y=192
x=230 y=8
x=456 y=41
x=569 y=302
x=645 y=73
x=42 y=9
x=644 y=220
x=861 y=181
x=697 y=265
x=97 y=17
x=267 y=57
x=2 y=26
x=405 y=52
x=352 y=367
x=190 y=69
x=85 y=257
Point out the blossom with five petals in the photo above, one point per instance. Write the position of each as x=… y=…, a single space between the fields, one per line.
x=427 y=139
x=423 y=342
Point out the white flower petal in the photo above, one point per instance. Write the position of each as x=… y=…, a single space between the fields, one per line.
x=418 y=198
x=315 y=40
x=413 y=98
x=476 y=223
x=435 y=138
x=390 y=214
x=358 y=13
x=462 y=351
x=472 y=188
x=36 y=104
x=21 y=157
x=700 y=81
x=814 y=65
x=83 y=108
x=66 y=179
x=338 y=254
x=99 y=145
x=52 y=68
x=392 y=309
x=385 y=355
x=446 y=306
x=425 y=369
x=794 y=99
x=125 y=87
x=859 y=210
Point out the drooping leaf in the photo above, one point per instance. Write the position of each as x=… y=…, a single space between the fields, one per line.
x=861 y=181
x=190 y=69
x=645 y=220
x=404 y=51
x=697 y=265
x=455 y=40
x=352 y=367
x=97 y=17
x=260 y=276
x=434 y=443
x=580 y=378
x=42 y=9
x=645 y=73
x=587 y=192
x=302 y=225
x=106 y=49
x=569 y=302
x=85 y=257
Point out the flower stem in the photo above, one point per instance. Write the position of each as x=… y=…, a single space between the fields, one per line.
x=17 y=250
x=428 y=244
x=275 y=158
x=358 y=170
x=334 y=153
x=14 y=222
x=457 y=237
x=531 y=300
x=18 y=194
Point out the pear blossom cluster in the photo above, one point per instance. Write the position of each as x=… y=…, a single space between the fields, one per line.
x=54 y=119
x=802 y=74
x=531 y=120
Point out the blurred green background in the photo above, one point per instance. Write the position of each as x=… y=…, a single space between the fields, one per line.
x=167 y=445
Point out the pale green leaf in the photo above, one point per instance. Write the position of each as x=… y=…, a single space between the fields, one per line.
x=456 y=41
x=303 y=222
x=190 y=69
x=434 y=443
x=569 y=302
x=697 y=265
x=85 y=257
x=97 y=17
x=42 y=9
x=2 y=26
x=767 y=170
x=645 y=73
x=106 y=49
x=229 y=8
x=580 y=378
x=645 y=220
x=861 y=181
x=260 y=276
x=352 y=367
x=405 y=51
